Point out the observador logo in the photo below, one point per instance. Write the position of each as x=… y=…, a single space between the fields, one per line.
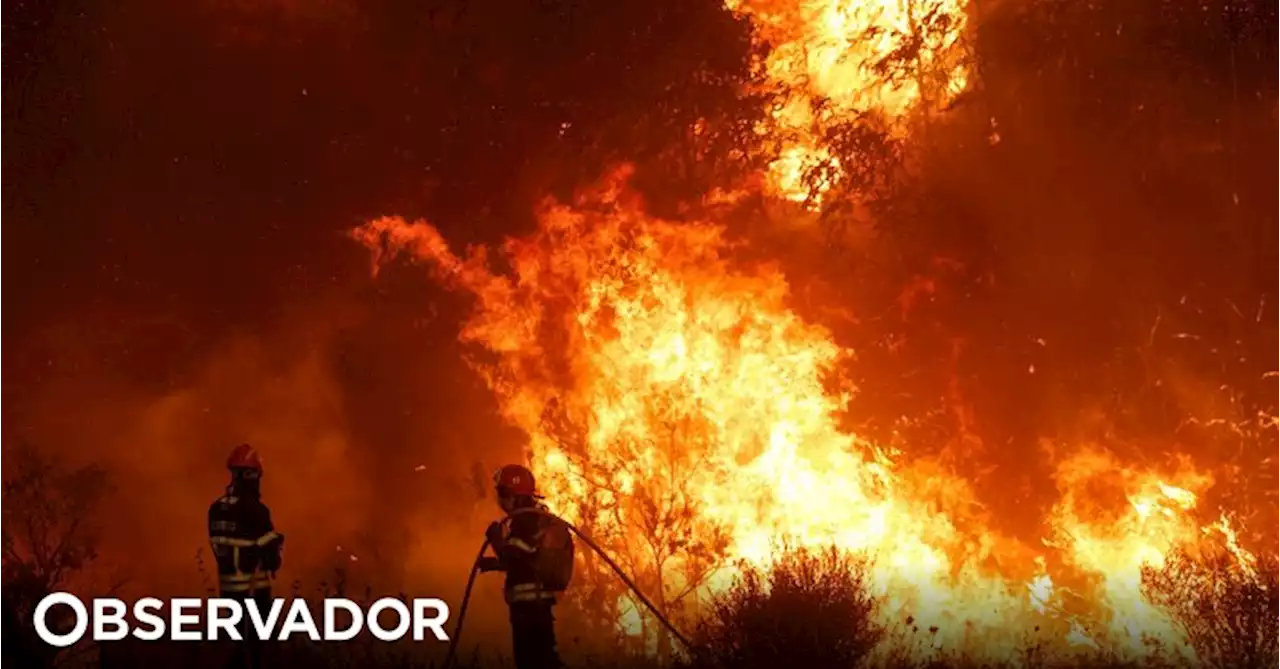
x=226 y=618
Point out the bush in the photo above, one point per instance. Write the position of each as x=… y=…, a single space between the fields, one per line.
x=1228 y=611
x=811 y=609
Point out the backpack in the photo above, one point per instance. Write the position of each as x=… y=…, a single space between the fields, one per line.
x=554 y=562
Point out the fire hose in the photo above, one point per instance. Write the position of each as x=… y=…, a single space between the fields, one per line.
x=475 y=569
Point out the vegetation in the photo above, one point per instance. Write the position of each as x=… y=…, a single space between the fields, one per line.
x=1229 y=614
x=49 y=539
x=810 y=610
x=1083 y=145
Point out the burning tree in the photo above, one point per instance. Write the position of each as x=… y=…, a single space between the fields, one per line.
x=680 y=410
x=1225 y=602
x=636 y=450
x=640 y=507
x=848 y=81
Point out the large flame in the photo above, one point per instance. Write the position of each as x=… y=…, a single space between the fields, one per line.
x=1111 y=521
x=836 y=59
x=682 y=413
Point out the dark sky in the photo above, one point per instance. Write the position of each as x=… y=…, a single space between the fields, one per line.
x=178 y=181
x=225 y=146
x=220 y=151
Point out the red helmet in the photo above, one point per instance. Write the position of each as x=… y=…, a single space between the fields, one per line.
x=514 y=480
x=244 y=457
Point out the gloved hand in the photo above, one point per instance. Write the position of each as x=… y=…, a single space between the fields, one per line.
x=489 y=564
x=494 y=534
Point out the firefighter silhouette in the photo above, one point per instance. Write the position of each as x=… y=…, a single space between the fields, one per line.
x=537 y=556
x=246 y=546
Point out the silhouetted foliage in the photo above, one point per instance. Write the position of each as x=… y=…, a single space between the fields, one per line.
x=1229 y=612
x=49 y=535
x=811 y=609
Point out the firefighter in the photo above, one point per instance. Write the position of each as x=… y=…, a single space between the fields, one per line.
x=246 y=546
x=530 y=601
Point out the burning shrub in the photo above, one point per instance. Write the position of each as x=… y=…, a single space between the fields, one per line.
x=1226 y=603
x=811 y=609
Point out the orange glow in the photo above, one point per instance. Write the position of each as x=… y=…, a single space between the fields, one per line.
x=839 y=58
x=682 y=413
x=1112 y=543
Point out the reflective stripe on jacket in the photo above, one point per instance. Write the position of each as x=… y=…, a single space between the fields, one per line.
x=519 y=556
x=245 y=545
x=528 y=592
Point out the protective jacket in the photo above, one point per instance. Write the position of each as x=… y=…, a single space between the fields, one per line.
x=533 y=632
x=517 y=555
x=245 y=544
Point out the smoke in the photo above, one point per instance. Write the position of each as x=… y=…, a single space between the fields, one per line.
x=362 y=474
x=165 y=451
